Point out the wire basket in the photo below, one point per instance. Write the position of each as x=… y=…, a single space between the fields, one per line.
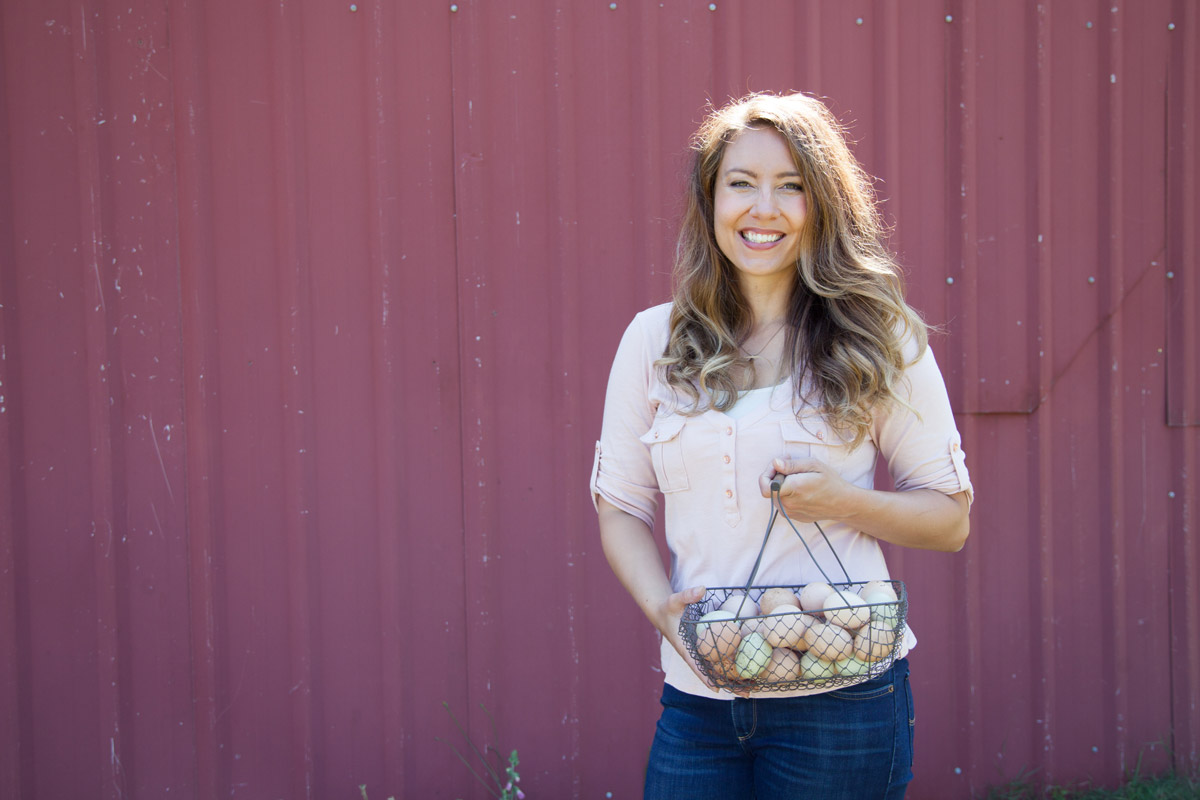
x=790 y=638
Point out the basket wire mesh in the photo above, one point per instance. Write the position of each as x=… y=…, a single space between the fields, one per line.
x=789 y=638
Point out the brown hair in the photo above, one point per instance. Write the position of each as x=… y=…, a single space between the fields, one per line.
x=847 y=317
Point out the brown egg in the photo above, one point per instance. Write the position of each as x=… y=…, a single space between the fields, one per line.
x=829 y=642
x=777 y=596
x=783 y=666
x=717 y=636
x=785 y=627
x=725 y=669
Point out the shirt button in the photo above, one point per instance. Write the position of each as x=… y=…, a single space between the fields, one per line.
x=726 y=459
x=821 y=435
x=729 y=493
x=656 y=434
x=729 y=431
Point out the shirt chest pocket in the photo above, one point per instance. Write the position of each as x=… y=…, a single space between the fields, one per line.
x=811 y=437
x=665 y=439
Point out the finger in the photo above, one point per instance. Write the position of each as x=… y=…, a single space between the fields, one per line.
x=792 y=466
x=765 y=480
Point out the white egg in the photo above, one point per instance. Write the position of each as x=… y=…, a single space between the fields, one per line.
x=741 y=605
x=846 y=610
x=872 y=644
x=879 y=586
x=812 y=596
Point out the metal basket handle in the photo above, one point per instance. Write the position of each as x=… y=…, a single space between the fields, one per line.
x=777 y=509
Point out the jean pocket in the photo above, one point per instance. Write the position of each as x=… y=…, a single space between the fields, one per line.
x=912 y=720
x=867 y=690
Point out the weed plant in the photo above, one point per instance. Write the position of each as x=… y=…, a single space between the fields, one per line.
x=1161 y=787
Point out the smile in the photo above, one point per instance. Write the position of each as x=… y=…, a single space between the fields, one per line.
x=761 y=238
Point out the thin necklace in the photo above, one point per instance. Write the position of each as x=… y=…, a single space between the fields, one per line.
x=757 y=352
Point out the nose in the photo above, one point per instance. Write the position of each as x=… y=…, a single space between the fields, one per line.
x=764 y=204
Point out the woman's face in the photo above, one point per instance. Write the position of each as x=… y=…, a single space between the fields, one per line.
x=759 y=206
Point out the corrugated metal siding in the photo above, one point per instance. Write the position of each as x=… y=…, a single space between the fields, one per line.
x=307 y=310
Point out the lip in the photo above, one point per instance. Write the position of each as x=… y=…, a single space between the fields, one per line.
x=762 y=232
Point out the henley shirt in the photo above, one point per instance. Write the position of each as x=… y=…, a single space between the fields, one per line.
x=706 y=466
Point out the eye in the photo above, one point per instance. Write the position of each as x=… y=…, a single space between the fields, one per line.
x=793 y=187
x=739 y=183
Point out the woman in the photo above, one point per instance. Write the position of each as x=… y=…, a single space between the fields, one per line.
x=788 y=351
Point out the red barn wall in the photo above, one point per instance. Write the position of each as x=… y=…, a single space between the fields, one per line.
x=306 y=313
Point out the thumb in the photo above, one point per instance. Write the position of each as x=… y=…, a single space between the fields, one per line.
x=686 y=597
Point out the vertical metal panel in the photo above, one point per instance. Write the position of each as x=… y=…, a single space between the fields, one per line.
x=1182 y=356
x=1183 y=119
x=306 y=316
x=14 y=712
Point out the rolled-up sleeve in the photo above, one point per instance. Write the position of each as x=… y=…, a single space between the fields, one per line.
x=921 y=443
x=622 y=472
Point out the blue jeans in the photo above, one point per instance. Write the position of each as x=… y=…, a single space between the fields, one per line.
x=849 y=744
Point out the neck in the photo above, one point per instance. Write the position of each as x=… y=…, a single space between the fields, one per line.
x=768 y=301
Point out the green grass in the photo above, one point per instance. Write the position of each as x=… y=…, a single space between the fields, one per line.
x=1161 y=787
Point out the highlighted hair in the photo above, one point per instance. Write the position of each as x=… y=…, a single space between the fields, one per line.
x=847 y=317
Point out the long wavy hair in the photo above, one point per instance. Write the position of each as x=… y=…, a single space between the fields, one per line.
x=847 y=317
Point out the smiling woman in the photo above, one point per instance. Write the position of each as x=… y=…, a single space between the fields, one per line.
x=788 y=354
x=759 y=210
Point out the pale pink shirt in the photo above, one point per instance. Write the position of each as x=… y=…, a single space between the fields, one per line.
x=707 y=468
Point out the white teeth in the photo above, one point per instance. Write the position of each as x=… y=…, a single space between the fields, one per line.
x=761 y=238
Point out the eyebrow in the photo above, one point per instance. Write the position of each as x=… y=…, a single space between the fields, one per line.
x=754 y=174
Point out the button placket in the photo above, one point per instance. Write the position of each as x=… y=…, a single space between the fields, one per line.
x=729 y=476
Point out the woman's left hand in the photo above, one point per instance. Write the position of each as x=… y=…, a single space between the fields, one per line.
x=812 y=491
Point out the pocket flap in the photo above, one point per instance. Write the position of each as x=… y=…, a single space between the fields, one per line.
x=812 y=429
x=664 y=429
x=794 y=431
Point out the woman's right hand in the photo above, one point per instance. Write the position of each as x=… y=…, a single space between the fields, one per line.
x=667 y=622
x=630 y=549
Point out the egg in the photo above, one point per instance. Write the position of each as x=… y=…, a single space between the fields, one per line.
x=753 y=655
x=813 y=668
x=777 y=596
x=717 y=635
x=725 y=669
x=883 y=587
x=783 y=666
x=812 y=596
x=872 y=644
x=846 y=610
x=828 y=642
x=785 y=626
x=741 y=605
x=852 y=667
x=885 y=615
